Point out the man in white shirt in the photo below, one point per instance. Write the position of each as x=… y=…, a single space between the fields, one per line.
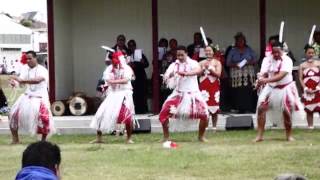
x=31 y=111
x=185 y=102
x=279 y=92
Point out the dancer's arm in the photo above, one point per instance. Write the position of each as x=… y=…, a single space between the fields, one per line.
x=118 y=81
x=196 y=71
x=35 y=80
x=215 y=70
x=301 y=76
x=275 y=78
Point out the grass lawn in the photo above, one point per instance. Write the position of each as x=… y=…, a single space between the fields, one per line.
x=228 y=155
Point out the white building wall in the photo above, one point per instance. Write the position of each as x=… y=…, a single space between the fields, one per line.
x=37 y=38
x=98 y=22
x=82 y=26
x=299 y=16
x=221 y=20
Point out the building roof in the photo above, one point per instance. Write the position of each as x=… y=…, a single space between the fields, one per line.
x=8 y=26
x=37 y=19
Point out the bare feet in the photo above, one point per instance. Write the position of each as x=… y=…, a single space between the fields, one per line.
x=290 y=139
x=311 y=127
x=15 y=142
x=97 y=141
x=129 y=141
x=203 y=139
x=164 y=140
x=258 y=139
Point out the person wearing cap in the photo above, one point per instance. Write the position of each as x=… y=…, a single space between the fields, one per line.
x=185 y=103
x=117 y=108
x=210 y=83
x=278 y=93
x=309 y=76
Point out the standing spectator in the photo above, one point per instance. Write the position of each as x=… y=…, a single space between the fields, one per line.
x=242 y=60
x=163 y=46
x=194 y=48
x=40 y=161
x=121 y=45
x=140 y=83
x=170 y=57
x=162 y=50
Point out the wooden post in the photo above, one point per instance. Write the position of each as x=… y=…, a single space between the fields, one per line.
x=52 y=83
x=155 y=87
x=263 y=22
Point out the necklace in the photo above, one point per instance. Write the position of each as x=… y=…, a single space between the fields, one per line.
x=33 y=87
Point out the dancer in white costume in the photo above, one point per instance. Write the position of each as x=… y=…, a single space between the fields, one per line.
x=279 y=92
x=31 y=111
x=118 y=107
x=185 y=102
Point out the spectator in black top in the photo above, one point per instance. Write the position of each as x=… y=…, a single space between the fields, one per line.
x=194 y=48
x=140 y=83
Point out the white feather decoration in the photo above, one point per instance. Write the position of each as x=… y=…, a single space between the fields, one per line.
x=310 y=42
x=281 y=32
x=204 y=37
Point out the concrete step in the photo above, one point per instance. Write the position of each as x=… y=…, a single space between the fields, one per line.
x=80 y=124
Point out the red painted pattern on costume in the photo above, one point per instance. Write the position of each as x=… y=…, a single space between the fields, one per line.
x=311 y=81
x=125 y=115
x=212 y=88
x=199 y=112
x=288 y=104
x=165 y=111
x=198 y=109
x=43 y=120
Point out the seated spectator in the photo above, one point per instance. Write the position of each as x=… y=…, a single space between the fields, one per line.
x=241 y=61
x=40 y=161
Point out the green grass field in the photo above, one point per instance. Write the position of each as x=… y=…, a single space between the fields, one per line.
x=228 y=155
